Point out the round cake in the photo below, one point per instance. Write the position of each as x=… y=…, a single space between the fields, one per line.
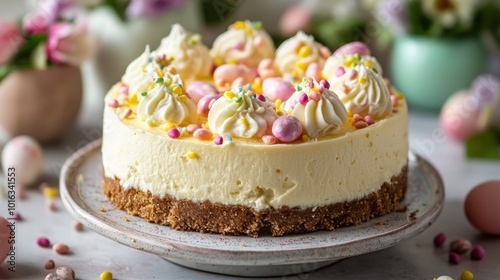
x=246 y=139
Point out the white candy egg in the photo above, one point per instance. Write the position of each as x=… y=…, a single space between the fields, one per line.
x=24 y=154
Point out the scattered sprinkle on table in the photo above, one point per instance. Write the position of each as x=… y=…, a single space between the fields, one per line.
x=106 y=275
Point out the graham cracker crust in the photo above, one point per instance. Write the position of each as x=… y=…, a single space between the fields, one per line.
x=208 y=217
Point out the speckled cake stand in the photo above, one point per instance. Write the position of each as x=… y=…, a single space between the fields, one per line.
x=80 y=185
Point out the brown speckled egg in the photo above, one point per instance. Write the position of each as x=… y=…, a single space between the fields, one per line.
x=482 y=207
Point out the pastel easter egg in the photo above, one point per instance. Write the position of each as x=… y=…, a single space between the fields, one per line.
x=482 y=208
x=265 y=69
x=226 y=74
x=277 y=88
x=25 y=155
x=313 y=71
x=294 y=19
x=458 y=117
x=353 y=48
x=4 y=238
x=287 y=128
x=203 y=106
x=198 y=89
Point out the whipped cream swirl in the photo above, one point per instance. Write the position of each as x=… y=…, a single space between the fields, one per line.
x=239 y=113
x=244 y=42
x=296 y=53
x=187 y=53
x=349 y=62
x=363 y=92
x=137 y=75
x=318 y=109
x=163 y=105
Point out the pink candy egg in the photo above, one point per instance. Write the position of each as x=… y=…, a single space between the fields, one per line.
x=287 y=128
x=294 y=19
x=353 y=48
x=205 y=103
x=277 y=88
x=313 y=71
x=227 y=74
x=25 y=155
x=458 y=117
x=4 y=239
x=482 y=208
x=266 y=69
x=198 y=89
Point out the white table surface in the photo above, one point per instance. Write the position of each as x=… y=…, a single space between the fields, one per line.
x=412 y=259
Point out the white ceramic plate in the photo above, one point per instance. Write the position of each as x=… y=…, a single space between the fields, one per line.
x=80 y=185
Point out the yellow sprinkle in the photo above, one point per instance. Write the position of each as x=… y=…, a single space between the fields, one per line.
x=191 y=155
x=369 y=64
x=50 y=192
x=257 y=87
x=304 y=51
x=466 y=275
x=168 y=82
x=106 y=275
x=349 y=113
x=150 y=123
x=400 y=96
x=177 y=89
x=239 y=24
x=143 y=70
x=133 y=100
x=362 y=80
x=183 y=98
x=172 y=70
x=295 y=73
x=349 y=62
x=151 y=86
x=232 y=61
x=302 y=66
x=244 y=122
x=229 y=94
x=305 y=138
x=278 y=103
x=280 y=113
x=169 y=126
x=249 y=31
x=218 y=61
x=161 y=74
x=289 y=112
x=315 y=89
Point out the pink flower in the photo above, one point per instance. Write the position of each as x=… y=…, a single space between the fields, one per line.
x=37 y=22
x=10 y=41
x=152 y=8
x=69 y=44
x=46 y=14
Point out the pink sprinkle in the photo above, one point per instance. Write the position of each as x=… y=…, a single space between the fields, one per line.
x=124 y=90
x=321 y=88
x=192 y=128
x=174 y=133
x=127 y=114
x=218 y=140
x=311 y=84
x=369 y=120
x=345 y=89
x=314 y=96
x=113 y=103
x=439 y=240
x=202 y=133
x=51 y=204
x=17 y=216
x=357 y=118
x=394 y=100
x=454 y=258
x=353 y=74
x=360 y=125
x=239 y=46
x=257 y=41
x=303 y=99
x=325 y=83
x=477 y=253
x=261 y=97
x=269 y=139
x=339 y=71
x=43 y=242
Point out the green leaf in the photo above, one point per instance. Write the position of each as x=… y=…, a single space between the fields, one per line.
x=119 y=7
x=484 y=145
x=39 y=57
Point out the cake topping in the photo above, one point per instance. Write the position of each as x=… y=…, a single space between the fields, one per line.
x=136 y=73
x=243 y=43
x=353 y=48
x=187 y=53
x=318 y=109
x=239 y=113
x=363 y=92
x=337 y=65
x=294 y=55
x=166 y=103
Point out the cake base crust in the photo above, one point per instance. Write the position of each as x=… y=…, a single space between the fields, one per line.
x=208 y=217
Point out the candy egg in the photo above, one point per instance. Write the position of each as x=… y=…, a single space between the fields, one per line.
x=313 y=71
x=276 y=88
x=459 y=115
x=4 y=238
x=287 y=128
x=353 y=48
x=204 y=104
x=226 y=74
x=294 y=19
x=266 y=69
x=198 y=89
x=25 y=155
x=482 y=208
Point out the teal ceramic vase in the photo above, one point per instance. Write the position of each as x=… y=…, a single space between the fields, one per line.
x=429 y=70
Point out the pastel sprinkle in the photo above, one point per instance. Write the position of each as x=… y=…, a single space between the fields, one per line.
x=321 y=88
x=168 y=126
x=349 y=113
x=126 y=114
x=133 y=100
x=454 y=258
x=239 y=46
x=477 y=253
x=369 y=120
x=229 y=94
x=466 y=275
x=183 y=98
x=439 y=240
x=232 y=61
x=360 y=124
x=305 y=138
x=192 y=128
x=302 y=65
x=144 y=93
x=238 y=99
x=113 y=103
x=172 y=70
x=106 y=275
x=229 y=138
x=159 y=81
x=339 y=71
x=168 y=89
x=269 y=139
x=174 y=133
x=257 y=24
x=50 y=192
x=261 y=97
x=218 y=140
x=60 y=248
x=298 y=88
x=303 y=99
x=325 y=83
x=314 y=96
x=362 y=80
x=278 y=103
x=310 y=84
x=369 y=64
x=304 y=51
x=124 y=90
x=43 y=242
x=353 y=74
x=203 y=134
x=191 y=155
x=344 y=88
x=394 y=100
x=151 y=87
x=357 y=118
x=245 y=122
x=177 y=89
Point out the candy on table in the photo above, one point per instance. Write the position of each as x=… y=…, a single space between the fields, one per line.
x=277 y=88
x=43 y=242
x=454 y=258
x=466 y=275
x=60 y=248
x=477 y=253
x=106 y=275
x=482 y=207
x=25 y=155
x=439 y=240
x=50 y=264
x=444 y=277
x=460 y=246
